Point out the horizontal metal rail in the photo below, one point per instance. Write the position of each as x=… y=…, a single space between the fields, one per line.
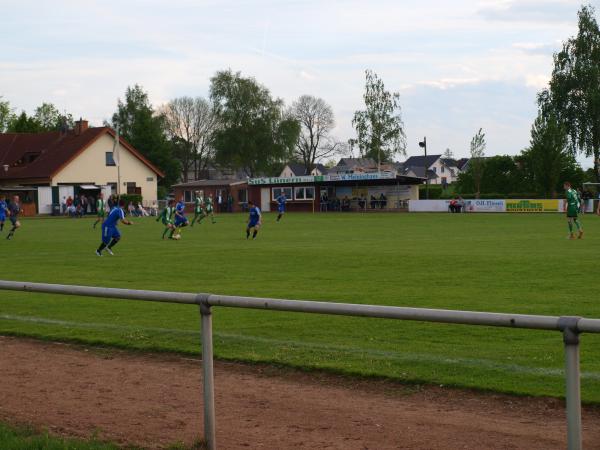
x=571 y=327
x=346 y=309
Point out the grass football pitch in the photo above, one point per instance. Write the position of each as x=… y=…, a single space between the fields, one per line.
x=494 y=262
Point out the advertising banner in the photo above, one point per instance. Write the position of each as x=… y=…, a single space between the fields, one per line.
x=532 y=206
x=485 y=205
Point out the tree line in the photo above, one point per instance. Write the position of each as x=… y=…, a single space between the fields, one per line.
x=239 y=126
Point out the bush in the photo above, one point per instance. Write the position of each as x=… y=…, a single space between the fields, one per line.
x=135 y=198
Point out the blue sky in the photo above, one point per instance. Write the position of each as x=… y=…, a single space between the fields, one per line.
x=459 y=65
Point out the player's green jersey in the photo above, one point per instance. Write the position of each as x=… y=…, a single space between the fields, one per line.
x=199 y=203
x=100 y=207
x=573 y=203
x=208 y=204
x=166 y=216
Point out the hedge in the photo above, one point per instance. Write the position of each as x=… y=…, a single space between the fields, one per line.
x=135 y=198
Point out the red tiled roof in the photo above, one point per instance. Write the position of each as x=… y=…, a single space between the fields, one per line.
x=54 y=151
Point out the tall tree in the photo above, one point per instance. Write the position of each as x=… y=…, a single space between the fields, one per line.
x=255 y=134
x=548 y=152
x=316 y=121
x=477 y=162
x=193 y=122
x=5 y=115
x=49 y=118
x=448 y=154
x=379 y=127
x=146 y=131
x=575 y=87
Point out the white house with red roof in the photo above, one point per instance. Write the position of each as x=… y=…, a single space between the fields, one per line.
x=64 y=163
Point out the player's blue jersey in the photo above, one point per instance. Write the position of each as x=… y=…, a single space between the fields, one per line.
x=114 y=216
x=281 y=200
x=254 y=215
x=14 y=209
x=180 y=208
x=3 y=209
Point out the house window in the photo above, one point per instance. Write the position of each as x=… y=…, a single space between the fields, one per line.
x=434 y=170
x=131 y=188
x=187 y=196
x=276 y=192
x=443 y=169
x=305 y=193
x=150 y=179
x=243 y=195
x=110 y=161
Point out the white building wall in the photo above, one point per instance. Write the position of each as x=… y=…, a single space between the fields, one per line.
x=90 y=167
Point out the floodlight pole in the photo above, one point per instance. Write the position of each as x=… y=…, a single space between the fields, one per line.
x=423 y=145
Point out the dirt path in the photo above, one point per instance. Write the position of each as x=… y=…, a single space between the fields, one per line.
x=155 y=400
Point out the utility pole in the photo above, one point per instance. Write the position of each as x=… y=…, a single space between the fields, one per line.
x=423 y=145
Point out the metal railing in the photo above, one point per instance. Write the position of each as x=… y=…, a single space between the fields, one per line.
x=570 y=327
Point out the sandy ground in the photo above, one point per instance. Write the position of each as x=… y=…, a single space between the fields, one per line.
x=155 y=400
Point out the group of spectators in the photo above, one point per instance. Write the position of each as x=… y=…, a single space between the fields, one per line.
x=81 y=205
x=456 y=205
x=224 y=203
x=345 y=204
x=78 y=206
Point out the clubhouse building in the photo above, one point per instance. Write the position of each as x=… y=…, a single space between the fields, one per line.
x=386 y=191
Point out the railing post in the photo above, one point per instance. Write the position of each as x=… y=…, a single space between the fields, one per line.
x=208 y=374
x=568 y=325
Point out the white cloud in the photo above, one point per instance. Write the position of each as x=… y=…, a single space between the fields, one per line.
x=538 y=82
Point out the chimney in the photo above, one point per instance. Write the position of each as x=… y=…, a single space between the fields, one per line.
x=80 y=126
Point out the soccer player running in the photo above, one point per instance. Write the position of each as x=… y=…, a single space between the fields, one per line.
x=180 y=219
x=14 y=209
x=281 y=205
x=254 y=220
x=573 y=203
x=3 y=211
x=110 y=233
x=166 y=217
x=100 y=211
x=198 y=209
x=209 y=208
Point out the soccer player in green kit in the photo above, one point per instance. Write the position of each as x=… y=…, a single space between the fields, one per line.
x=198 y=208
x=573 y=203
x=100 y=212
x=209 y=208
x=166 y=217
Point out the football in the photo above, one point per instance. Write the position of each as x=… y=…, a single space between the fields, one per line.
x=177 y=237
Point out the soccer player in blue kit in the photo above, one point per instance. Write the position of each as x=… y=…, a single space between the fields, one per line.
x=110 y=232
x=281 y=205
x=14 y=209
x=3 y=211
x=180 y=219
x=253 y=221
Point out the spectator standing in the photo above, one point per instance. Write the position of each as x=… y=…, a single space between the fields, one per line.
x=229 y=203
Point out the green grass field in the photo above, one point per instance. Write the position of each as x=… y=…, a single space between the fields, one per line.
x=15 y=438
x=504 y=263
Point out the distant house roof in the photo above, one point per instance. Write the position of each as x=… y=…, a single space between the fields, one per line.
x=299 y=169
x=420 y=161
x=357 y=162
x=419 y=171
x=321 y=168
x=43 y=155
x=461 y=163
